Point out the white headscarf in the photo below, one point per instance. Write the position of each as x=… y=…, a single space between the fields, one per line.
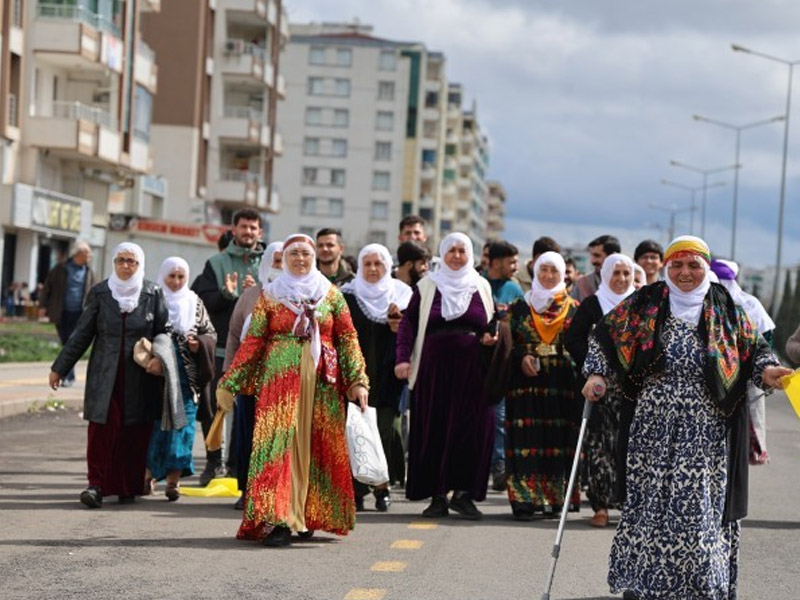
x=126 y=293
x=266 y=272
x=637 y=268
x=608 y=299
x=751 y=305
x=456 y=287
x=375 y=298
x=301 y=293
x=539 y=297
x=182 y=304
x=688 y=306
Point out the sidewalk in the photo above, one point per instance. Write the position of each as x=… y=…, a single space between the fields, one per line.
x=22 y=384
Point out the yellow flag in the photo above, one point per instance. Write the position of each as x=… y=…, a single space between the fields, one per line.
x=791 y=385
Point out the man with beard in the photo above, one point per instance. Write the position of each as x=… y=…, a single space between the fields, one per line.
x=571 y=274
x=599 y=249
x=413 y=262
x=329 y=257
x=225 y=276
x=412 y=228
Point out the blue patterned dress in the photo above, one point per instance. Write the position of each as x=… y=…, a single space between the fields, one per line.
x=672 y=542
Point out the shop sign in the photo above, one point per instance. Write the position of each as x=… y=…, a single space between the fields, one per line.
x=56 y=213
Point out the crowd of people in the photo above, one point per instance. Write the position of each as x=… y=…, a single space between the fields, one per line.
x=478 y=374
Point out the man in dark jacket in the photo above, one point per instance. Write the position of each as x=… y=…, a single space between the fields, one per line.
x=329 y=257
x=64 y=292
x=225 y=276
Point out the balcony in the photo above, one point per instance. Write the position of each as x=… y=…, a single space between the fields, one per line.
x=252 y=10
x=239 y=187
x=244 y=59
x=151 y=6
x=74 y=127
x=244 y=124
x=278 y=149
x=428 y=171
x=64 y=35
x=145 y=70
x=281 y=87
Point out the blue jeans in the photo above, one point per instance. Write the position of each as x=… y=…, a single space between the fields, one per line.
x=498 y=451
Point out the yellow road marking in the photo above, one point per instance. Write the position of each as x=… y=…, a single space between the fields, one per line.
x=422 y=525
x=389 y=566
x=407 y=544
x=365 y=594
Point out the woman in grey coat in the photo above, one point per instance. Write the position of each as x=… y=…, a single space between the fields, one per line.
x=121 y=399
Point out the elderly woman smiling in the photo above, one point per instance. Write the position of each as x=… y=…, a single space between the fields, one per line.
x=439 y=347
x=121 y=400
x=300 y=358
x=683 y=352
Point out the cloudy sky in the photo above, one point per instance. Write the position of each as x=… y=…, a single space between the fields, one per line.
x=586 y=103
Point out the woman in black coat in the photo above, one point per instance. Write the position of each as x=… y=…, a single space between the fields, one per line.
x=121 y=399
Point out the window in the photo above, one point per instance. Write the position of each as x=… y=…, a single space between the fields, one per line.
x=337 y=177
x=341 y=117
x=309 y=176
x=313 y=116
x=316 y=86
x=143 y=103
x=377 y=237
x=339 y=148
x=383 y=150
x=342 y=87
x=309 y=231
x=385 y=90
x=430 y=129
x=316 y=56
x=311 y=146
x=335 y=207
x=385 y=121
x=380 y=211
x=344 y=57
x=431 y=99
x=308 y=206
x=429 y=158
x=380 y=180
x=387 y=60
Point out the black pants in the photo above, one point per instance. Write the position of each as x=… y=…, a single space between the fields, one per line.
x=65 y=327
x=244 y=417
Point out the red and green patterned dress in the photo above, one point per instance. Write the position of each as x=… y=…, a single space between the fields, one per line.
x=299 y=473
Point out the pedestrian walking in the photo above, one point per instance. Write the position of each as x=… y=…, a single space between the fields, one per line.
x=122 y=399
x=300 y=357
x=683 y=352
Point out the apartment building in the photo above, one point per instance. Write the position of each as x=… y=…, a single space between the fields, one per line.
x=344 y=124
x=76 y=90
x=495 y=210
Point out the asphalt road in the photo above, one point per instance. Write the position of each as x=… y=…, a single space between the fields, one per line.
x=52 y=547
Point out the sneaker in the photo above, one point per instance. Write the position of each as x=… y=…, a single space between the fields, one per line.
x=383 y=500
x=279 y=537
x=465 y=507
x=92 y=497
x=437 y=508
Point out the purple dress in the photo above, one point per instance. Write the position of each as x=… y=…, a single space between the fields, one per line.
x=452 y=422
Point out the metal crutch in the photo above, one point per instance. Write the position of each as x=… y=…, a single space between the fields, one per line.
x=587 y=412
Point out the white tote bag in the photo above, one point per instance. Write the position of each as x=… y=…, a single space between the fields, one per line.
x=367 y=460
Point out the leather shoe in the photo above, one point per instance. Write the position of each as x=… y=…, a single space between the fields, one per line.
x=600 y=518
x=465 y=507
x=437 y=508
x=279 y=537
x=382 y=500
x=92 y=497
x=306 y=535
x=630 y=595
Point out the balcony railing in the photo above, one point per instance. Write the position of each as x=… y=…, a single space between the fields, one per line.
x=72 y=111
x=245 y=112
x=240 y=175
x=77 y=14
x=146 y=51
x=13 y=115
x=16 y=14
x=237 y=47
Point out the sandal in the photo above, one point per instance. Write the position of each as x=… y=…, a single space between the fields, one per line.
x=172 y=491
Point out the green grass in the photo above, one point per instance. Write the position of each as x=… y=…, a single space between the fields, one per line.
x=28 y=341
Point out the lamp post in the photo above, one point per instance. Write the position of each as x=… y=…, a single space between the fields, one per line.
x=738 y=129
x=692 y=190
x=705 y=173
x=782 y=201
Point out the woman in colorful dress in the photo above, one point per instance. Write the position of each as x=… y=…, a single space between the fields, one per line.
x=194 y=340
x=122 y=399
x=439 y=350
x=376 y=302
x=683 y=352
x=300 y=358
x=616 y=284
x=542 y=414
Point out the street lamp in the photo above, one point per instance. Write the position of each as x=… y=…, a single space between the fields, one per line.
x=782 y=201
x=705 y=173
x=672 y=210
x=692 y=190
x=738 y=129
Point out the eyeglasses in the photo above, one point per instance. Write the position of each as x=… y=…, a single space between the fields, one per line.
x=128 y=262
